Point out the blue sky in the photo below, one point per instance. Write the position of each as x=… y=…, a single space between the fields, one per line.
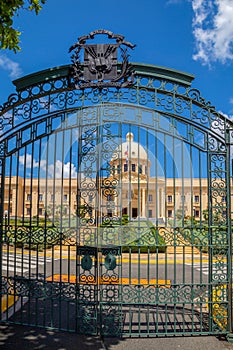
x=195 y=36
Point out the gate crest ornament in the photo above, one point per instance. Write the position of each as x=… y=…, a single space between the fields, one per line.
x=100 y=67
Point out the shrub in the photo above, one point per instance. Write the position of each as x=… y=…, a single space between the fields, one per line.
x=156 y=243
x=32 y=237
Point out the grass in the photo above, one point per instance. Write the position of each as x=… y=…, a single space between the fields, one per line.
x=134 y=236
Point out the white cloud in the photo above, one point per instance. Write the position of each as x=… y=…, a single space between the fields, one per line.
x=213 y=30
x=11 y=66
x=226 y=115
x=28 y=160
x=68 y=168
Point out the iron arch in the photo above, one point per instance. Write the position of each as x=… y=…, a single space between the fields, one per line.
x=118 y=244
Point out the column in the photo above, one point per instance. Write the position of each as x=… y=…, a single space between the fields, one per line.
x=143 y=203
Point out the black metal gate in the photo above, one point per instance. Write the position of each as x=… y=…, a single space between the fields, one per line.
x=115 y=200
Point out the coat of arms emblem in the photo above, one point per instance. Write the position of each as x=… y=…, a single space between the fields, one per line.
x=100 y=67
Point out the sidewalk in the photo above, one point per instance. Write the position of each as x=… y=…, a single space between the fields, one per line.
x=14 y=337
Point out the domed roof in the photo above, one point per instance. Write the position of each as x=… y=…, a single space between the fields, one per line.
x=131 y=149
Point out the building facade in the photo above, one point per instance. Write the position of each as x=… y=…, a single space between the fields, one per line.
x=136 y=194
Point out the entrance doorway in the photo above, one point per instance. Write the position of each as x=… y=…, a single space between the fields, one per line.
x=134 y=212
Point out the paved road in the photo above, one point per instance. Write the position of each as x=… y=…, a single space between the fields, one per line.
x=21 y=264
x=157 y=269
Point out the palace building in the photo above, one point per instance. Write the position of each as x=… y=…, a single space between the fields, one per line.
x=136 y=192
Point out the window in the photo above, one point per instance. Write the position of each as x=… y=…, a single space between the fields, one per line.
x=40 y=197
x=124 y=211
x=29 y=197
x=150 y=213
x=183 y=198
x=196 y=199
x=125 y=167
x=28 y=211
x=140 y=169
x=169 y=199
x=169 y=213
x=133 y=167
x=40 y=211
x=224 y=199
x=150 y=198
x=196 y=213
x=65 y=197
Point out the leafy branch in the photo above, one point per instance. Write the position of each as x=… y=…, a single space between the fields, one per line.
x=9 y=36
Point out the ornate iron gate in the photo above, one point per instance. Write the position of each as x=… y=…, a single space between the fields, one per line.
x=115 y=200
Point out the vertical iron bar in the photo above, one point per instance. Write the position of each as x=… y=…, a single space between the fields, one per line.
x=210 y=255
x=61 y=227
x=165 y=178
x=44 y=215
x=2 y=174
x=16 y=219
x=229 y=232
x=9 y=218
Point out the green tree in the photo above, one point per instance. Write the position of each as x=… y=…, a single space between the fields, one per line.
x=9 y=36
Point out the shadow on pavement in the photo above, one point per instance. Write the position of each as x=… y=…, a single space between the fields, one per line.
x=18 y=337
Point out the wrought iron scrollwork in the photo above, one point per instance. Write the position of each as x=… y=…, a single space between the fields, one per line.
x=104 y=98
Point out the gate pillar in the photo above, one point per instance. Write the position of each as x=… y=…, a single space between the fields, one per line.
x=220 y=249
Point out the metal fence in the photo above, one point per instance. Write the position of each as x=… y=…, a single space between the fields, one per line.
x=115 y=207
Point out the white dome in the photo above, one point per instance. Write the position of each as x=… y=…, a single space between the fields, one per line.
x=131 y=149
